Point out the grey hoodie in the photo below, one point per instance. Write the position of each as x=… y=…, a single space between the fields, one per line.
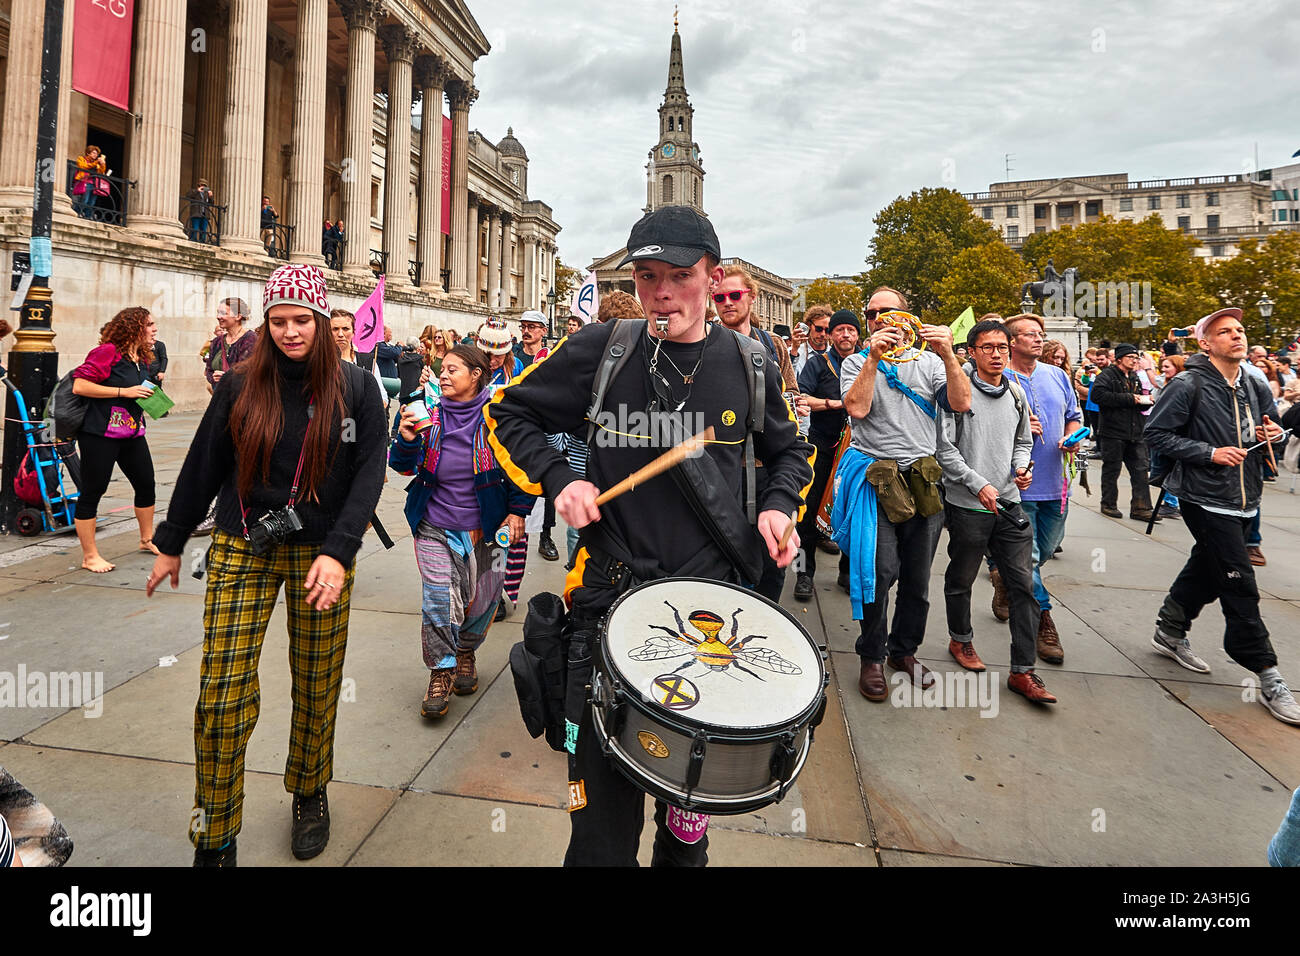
x=996 y=440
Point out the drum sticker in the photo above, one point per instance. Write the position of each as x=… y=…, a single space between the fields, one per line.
x=675 y=692
x=652 y=744
x=687 y=826
x=712 y=653
x=577 y=795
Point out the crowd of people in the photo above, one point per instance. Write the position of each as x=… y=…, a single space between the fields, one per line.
x=867 y=437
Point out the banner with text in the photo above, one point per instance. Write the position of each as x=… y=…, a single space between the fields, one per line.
x=101 y=50
x=446 y=176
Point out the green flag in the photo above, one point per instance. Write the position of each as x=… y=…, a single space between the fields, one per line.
x=962 y=326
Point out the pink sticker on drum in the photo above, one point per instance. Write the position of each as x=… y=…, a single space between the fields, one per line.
x=687 y=826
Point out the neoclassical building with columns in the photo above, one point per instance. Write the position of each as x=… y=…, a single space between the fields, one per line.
x=317 y=105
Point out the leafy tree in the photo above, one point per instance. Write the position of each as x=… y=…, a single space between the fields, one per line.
x=1112 y=254
x=987 y=278
x=567 y=280
x=916 y=240
x=1271 y=266
x=823 y=291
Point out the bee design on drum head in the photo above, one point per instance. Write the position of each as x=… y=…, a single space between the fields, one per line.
x=712 y=652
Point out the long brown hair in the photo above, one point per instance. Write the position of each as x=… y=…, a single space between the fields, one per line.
x=1051 y=347
x=257 y=418
x=126 y=330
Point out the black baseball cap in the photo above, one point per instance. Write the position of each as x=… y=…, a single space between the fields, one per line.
x=677 y=235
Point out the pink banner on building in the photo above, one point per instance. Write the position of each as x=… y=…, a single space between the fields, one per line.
x=446 y=176
x=101 y=50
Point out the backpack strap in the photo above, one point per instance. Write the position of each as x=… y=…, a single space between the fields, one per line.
x=754 y=359
x=618 y=350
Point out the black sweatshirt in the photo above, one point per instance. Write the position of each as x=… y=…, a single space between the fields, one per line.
x=653 y=523
x=346 y=497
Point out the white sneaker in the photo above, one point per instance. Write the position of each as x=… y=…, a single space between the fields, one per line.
x=1180 y=649
x=1281 y=704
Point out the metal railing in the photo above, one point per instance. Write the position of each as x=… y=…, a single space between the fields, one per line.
x=333 y=250
x=202 y=220
x=98 y=196
x=378 y=262
x=277 y=238
x=413 y=267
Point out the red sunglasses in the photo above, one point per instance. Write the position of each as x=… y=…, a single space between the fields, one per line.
x=721 y=297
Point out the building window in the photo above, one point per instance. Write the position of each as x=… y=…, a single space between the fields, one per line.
x=1126 y=204
x=1216 y=251
x=1040 y=212
x=1153 y=202
x=1013 y=212
x=1185 y=223
x=668 y=189
x=987 y=212
x=1212 y=222
x=1040 y=229
x=1184 y=201
x=1092 y=209
x=1013 y=232
x=1211 y=199
x=1065 y=212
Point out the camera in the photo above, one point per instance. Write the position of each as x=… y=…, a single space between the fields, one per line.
x=271 y=529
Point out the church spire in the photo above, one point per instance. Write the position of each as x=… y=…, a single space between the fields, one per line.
x=676 y=72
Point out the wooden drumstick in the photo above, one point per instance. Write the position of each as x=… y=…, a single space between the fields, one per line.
x=668 y=459
x=785 y=538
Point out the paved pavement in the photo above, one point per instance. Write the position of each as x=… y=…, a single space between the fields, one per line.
x=1141 y=763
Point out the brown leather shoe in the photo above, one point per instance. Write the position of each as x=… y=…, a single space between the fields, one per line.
x=438 y=695
x=1001 y=602
x=1030 y=686
x=963 y=652
x=1049 y=642
x=871 y=682
x=916 y=672
x=1256 y=555
x=465 y=678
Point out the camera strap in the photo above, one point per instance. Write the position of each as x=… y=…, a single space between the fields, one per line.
x=297 y=475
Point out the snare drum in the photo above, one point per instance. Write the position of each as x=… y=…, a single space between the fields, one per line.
x=706 y=695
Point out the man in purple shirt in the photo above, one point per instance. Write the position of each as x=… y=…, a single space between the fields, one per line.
x=1055 y=414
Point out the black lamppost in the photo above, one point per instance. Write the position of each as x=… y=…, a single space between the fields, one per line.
x=550 y=300
x=1265 y=306
x=33 y=361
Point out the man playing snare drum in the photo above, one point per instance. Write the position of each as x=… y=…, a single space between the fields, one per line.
x=693 y=373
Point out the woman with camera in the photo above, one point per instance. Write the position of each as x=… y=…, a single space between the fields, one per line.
x=111 y=378
x=292 y=447
x=460 y=501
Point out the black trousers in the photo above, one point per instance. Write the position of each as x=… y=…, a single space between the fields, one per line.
x=1133 y=456
x=606 y=830
x=970 y=534
x=548 y=516
x=904 y=553
x=1219 y=569
x=98 y=455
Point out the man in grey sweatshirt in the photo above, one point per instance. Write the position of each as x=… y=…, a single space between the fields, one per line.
x=985 y=458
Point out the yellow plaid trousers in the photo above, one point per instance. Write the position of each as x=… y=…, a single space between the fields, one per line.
x=242 y=593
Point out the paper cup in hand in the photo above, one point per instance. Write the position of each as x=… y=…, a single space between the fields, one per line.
x=420 y=412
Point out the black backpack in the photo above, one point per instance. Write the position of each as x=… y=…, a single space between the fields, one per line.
x=66 y=410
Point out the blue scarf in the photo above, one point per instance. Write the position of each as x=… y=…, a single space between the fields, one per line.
x=891 y=376
x=854 y=520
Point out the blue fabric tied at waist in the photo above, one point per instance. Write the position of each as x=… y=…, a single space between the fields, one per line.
x=854 y=521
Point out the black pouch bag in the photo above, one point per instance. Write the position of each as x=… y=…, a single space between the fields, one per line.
x=538 y=664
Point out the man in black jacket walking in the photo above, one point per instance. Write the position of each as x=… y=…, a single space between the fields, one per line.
x=1208 y=420
x=1119 y=394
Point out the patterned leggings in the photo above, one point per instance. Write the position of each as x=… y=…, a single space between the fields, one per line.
x=242 y=593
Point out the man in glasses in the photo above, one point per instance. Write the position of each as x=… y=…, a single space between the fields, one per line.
x=817 y=318
x=892 y=406
x=985 y=454
x=1054 y=415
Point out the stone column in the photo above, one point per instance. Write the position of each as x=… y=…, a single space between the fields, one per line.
x=62 y=201
x=1052 y=227
x=362 y=17
x=241 y=161
x=528 y=295
x=430 y=74
x=156 y=146
x=307 y=165
x=399 y=44
x=494 y=259
x=472 y=280
x=210 y=119
x=461 y=95
x=22 y=102
x=507 y=260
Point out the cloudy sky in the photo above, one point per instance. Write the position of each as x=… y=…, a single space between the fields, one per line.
x=812 y=115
